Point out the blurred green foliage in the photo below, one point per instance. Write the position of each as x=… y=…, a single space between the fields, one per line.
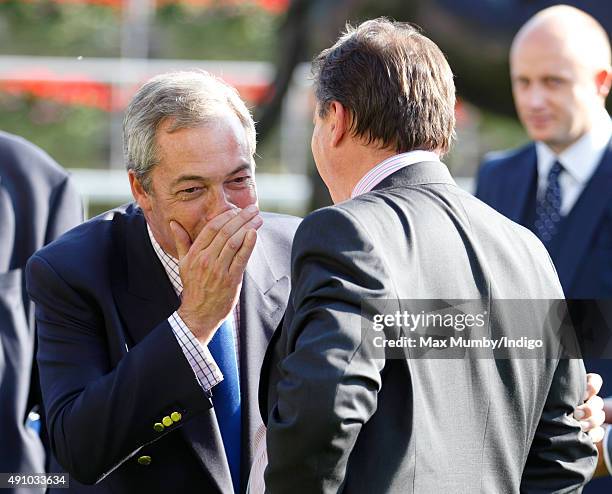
x=54 y=29
x=43 y=27
x=79 y=136
x=244 y=32
x=76 y=136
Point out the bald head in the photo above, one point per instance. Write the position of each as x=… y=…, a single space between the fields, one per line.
x=560 y=68
x=572 y=32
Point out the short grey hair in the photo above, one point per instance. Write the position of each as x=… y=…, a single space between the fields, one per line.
x=190 y=99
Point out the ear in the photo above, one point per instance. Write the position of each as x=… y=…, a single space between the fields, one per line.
x=603 y=79
x=141 y=196
x=339 y=122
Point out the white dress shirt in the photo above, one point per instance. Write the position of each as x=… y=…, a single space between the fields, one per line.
x=579 y=161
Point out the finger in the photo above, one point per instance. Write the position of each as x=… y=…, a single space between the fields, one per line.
x=594 y=382
x=248 y=218
x=212 y=228
x=596 y=420
x=182 y=241
x=586 y=410
x=244 y=253
x=232 y=246
x=222 y=227
x=597 y=434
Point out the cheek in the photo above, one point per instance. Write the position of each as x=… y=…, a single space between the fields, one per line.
x=243 y=197
x=190 y=214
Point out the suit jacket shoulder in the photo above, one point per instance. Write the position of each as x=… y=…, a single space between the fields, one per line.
x=28 y=162
x=497 y=164
x=83 y=255
x=500 y=159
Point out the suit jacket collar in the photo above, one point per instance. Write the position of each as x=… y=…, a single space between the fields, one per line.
x=422 y=173
x=141 y=288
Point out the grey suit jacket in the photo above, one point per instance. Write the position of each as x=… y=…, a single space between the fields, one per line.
x=340 y=421
x=111 y=367
x=38 y=202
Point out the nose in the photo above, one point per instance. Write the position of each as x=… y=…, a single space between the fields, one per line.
x=535 y=97
x=218 y=203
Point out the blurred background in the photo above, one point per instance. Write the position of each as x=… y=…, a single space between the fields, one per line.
x=69 y=67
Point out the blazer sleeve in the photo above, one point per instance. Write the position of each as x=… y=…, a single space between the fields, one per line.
x=562 y=458
x=328 y=381
x=98 y=416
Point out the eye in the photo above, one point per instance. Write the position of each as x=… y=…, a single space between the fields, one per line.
x=191 y=190
x=243 y=180
x=521 y=82
x=553 y=82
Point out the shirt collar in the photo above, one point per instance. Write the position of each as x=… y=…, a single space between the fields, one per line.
x=389 y=166
x=170 y=264
x=580 y=160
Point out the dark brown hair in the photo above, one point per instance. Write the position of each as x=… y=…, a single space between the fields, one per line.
x=395 y=83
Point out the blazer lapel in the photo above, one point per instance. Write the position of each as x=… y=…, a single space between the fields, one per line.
x=262 y=305
x=577 y=234
x=514 y=197
x=141 y=288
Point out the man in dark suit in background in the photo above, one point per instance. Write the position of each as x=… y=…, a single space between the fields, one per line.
x=339 y=419
x=560 y=185
x=38 y=202
x=154 y=318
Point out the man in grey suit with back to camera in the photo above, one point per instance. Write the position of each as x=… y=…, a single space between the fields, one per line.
x=339 y=420
x=153 y=318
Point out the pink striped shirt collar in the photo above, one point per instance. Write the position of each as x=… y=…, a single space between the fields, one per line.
x=390 y=166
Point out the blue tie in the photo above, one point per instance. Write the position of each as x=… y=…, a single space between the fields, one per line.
x=548 y=208
x=226 y=396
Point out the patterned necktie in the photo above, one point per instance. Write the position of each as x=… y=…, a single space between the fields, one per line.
x=548 y=208
x=226 y=396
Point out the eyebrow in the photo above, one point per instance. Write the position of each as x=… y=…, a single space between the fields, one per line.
x=200 y=178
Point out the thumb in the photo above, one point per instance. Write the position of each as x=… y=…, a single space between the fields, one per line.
x=182 y=241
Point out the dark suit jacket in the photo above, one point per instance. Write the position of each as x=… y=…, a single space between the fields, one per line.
x=38 y=202
x=111 y=366
x=340 y=421
x=581 y=252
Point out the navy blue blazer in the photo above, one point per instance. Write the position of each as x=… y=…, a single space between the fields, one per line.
x=111 y=367
x=38 y=202
x=581 y=251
